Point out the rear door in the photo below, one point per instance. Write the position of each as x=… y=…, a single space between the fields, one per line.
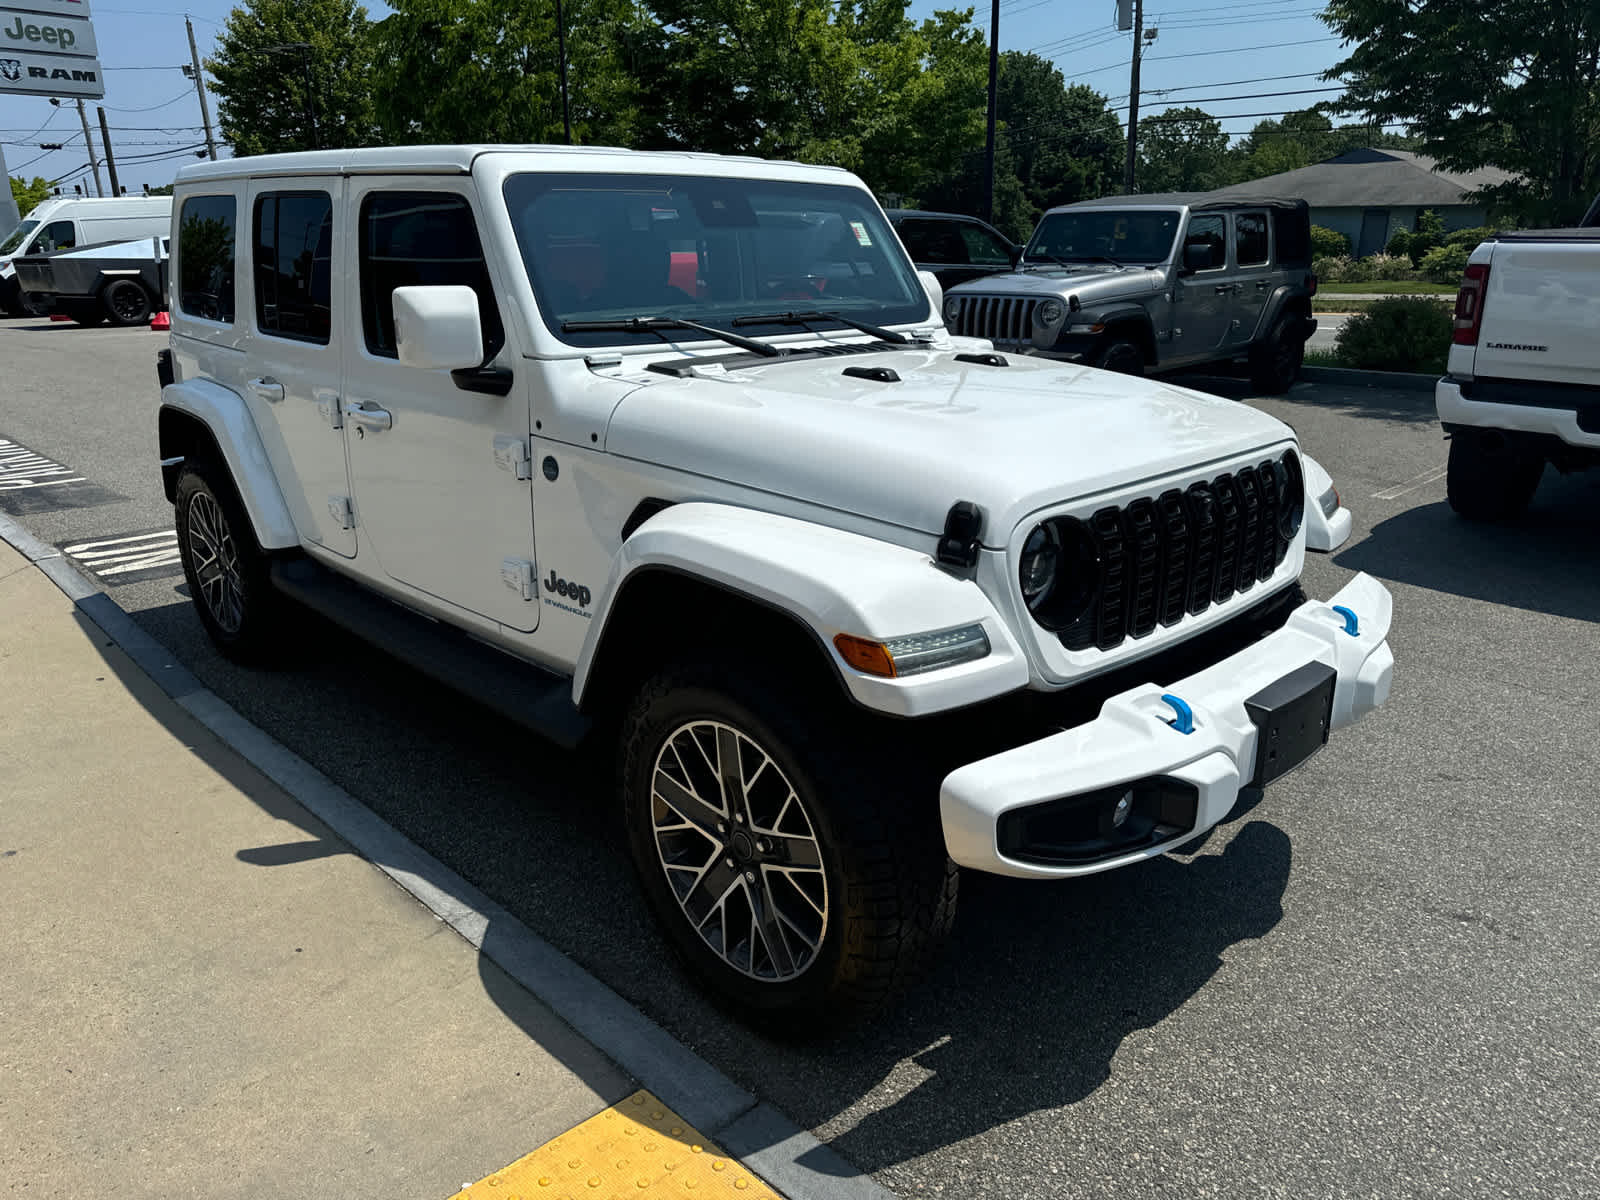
x=441 y=474
x=1252 y=275
x=292 y=386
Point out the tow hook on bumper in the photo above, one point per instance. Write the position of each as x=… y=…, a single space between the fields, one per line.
x=1147 y=774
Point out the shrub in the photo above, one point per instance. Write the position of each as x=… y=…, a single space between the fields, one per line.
x=1328 y=243
x=1389 y=266
x=1397 y=334
x=1356 y=270
x=1399 y=244
x=1329 y=268
x=1444 y=264
x=1468 y=237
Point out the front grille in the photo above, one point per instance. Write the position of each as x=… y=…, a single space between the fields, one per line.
x=998 y=318
x=1181 y=553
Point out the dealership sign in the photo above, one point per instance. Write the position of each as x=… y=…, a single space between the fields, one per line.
x=47 y=48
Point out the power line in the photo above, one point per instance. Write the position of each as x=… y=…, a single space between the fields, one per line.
x=1117 y=66
x=1195 y=101
x=180 y=96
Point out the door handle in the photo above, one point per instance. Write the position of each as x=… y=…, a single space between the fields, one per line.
x=267 y=388
x=368 y=415
x=1262 y=285
x=1223 y=289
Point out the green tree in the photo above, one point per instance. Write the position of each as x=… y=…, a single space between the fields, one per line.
x=489 y=71
x=264 y=103
x=29 y=195
x=1513 y=84
x=1182 y=150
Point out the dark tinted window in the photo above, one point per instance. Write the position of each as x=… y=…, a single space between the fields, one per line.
x=1250 y=234
x=933 y=242
x=1210 y=233
x=58 y=235
x=984 y=246
x=293 y=262
x=1293 y=227
x=205 y=257
x=420 y=238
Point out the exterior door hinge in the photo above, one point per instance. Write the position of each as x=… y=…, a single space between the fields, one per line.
x=511 y=454
x=343 y=511
x=517 y=574
x=328 y=408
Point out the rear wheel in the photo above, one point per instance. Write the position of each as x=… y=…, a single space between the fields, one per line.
x=225 y=569
x=1490 y=477
x=86 y=313
x=1121 y=356
x=1275 y=363
x=126 y=302
x=802 y=883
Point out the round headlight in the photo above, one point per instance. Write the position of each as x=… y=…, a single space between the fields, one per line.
x=1059 y=572
x=1040 y=565
x=1291 y=497
x=1051 y=312
x=952 y=308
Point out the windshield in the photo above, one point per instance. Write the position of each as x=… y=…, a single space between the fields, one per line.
x=17 y=236
x=709 y=250
x=1144 y=236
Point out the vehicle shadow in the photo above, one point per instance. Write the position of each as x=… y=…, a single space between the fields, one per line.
x=1374 y=403
x=1544 y=562
x=1040 y=986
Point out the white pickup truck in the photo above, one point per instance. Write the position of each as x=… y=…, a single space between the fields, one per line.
x=1522 y=387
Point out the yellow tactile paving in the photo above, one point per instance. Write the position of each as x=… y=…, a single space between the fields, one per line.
x=637 y=1149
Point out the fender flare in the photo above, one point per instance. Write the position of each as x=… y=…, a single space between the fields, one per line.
x=830 y=582
x=1282 y=296
x=1125 y=314
x=227 y=419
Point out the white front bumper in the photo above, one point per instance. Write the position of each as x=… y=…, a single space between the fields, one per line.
x=1132 y=740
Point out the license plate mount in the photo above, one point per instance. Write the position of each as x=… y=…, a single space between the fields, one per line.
x=1292 y=716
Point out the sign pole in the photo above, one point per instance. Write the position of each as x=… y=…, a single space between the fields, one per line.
x=88 y=140
x=9 y=216
x=111 y=163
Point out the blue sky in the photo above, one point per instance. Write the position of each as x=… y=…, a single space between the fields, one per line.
x=1201 y=50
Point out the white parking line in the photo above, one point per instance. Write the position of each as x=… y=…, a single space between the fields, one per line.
x=107 y=558
x=1412 y=484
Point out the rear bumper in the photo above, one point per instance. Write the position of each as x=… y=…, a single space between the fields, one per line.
x=1131 y=744
x=1538 y=411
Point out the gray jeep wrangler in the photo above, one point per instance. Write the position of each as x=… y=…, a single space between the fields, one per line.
x=1143 y=284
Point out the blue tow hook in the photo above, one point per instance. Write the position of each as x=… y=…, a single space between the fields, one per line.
x=1352 y=626
x=1184 y=721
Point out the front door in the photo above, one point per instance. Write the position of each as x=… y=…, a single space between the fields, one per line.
x=292 y=390
x=440 y=473
x=1205 y=298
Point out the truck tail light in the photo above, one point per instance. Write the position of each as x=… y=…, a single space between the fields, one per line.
x=1469 y=305
x=1311 y=285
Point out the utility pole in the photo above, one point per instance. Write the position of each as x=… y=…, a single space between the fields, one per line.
x=994 y=82
x=311 y=95
x=200 y=89
x=1133 y=94
x=561 y=50
x=111 y=163
x=88 y=140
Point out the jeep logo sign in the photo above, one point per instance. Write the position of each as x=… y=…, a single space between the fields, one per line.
x=49 y=51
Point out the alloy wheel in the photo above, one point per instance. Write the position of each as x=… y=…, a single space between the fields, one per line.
x=739 y=851
x=216 y=562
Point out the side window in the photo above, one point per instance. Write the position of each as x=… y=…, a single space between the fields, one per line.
x=985 y=247
x=422 y=238
x=933 y=242
x=293 y=261
x=1250 y=234
x=58 y=235
x=1211 y=233
x=205 y=257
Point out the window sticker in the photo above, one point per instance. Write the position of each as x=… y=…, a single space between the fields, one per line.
x=861 y=233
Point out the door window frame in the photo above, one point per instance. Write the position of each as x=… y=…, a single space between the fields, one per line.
x=329 y=191
x=1266 y=228
x=1226 y=243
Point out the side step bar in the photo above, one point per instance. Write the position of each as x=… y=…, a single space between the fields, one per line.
x=529 y=695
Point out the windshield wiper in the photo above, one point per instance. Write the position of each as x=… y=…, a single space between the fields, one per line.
x=1029 y=256
x=1076 y=258
x=657 y=324
x=810 y=318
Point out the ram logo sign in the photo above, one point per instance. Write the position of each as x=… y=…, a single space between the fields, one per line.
x=10 y=68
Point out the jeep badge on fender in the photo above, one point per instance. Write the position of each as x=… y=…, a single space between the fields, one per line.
x=570 y=591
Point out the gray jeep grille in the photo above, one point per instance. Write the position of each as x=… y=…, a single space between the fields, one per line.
x=998 y=318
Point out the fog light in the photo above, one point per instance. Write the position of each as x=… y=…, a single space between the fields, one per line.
x=1119 y=814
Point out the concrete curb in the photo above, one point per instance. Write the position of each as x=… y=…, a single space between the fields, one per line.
x=787 y=1156
x=1405 y=381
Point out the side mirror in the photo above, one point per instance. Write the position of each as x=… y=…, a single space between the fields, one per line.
x=935 y=290
x=1196 y=256
x=437 y=327
x=1016 y=255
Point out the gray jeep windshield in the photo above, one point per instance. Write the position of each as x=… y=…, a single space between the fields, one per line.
x=710 y=250
x=1139 y=236
x=17 y=236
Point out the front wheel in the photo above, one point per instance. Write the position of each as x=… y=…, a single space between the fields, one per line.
x=1275 y=364
x=225 y=569
x=1123 y=357
x=802 y=883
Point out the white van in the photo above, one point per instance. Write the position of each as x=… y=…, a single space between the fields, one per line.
x=64 y=221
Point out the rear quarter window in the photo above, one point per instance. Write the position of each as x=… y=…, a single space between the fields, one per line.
x=206 y=257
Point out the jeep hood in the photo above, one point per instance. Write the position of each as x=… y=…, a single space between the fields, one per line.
x=1011 y=439
x=1085 y=280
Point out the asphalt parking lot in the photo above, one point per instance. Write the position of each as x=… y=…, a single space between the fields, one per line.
x=1378 y=980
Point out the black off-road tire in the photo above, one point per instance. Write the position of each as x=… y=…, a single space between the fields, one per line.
x=890 y=887
x=229 y=583
x=1121 y=356
x=126 y=302
x=1490 y=477
x=1275 y=363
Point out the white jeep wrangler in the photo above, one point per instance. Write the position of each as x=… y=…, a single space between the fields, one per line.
x=674 y=450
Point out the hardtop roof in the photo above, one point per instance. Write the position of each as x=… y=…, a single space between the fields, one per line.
x=1198 y=201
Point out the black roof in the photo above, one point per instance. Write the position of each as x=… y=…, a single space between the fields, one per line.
x=895 y=214
x=1194 y=200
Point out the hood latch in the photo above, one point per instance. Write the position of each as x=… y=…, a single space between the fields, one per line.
x=962 y=525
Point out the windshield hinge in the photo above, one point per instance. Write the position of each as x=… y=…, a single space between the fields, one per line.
x=960 y=544
x=511 y=454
